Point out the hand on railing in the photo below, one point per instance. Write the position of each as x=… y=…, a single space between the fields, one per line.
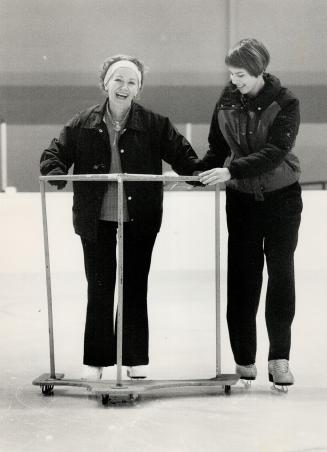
x=60 y=184
x=215 y=176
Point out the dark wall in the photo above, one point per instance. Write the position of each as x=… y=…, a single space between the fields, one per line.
x=56 y=104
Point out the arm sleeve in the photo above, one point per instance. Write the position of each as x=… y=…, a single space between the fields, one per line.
x=281 y=139
x=177 y=151
x=218 y=147
x=59 y=156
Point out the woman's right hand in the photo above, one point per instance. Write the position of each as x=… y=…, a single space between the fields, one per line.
x=215 y=176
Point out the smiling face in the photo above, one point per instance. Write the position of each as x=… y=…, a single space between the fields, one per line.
x=245 y=82
x=122 y=88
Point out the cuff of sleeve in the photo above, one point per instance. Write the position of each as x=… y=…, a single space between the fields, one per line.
x=233 y=170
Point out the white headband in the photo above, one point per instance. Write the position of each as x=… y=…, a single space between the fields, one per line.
x=122 y=63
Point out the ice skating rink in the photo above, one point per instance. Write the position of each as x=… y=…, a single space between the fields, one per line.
x=182 y=340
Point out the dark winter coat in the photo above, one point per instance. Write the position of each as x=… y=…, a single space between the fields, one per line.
x=254 y=138
x=148 y=139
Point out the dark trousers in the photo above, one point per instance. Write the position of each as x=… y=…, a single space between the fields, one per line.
x=256 y=229
x=100 y=269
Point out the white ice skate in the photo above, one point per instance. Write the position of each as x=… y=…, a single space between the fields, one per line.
x=92 y=373
x=136 y=372
x=280 y=374
x=247 y=373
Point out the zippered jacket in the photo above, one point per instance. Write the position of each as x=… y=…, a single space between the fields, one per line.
x=147 y=139
x=254 y=138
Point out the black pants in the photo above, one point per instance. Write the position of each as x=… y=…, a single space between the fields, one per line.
x=258 y=228
x=100 y=269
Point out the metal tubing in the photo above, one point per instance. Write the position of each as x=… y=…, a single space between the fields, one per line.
x=123 y=177
x=48 y=279
x=120 y=178
x=119 y=332
x=217 y=271
x=3 y=129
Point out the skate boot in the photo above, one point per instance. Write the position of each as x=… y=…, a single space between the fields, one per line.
x=246 y=373
x=280 y=374
x=92 y=373
x=136 y=372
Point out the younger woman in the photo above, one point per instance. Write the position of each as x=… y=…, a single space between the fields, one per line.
x=251 y=140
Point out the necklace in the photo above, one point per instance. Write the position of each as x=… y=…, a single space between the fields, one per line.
x=117 y=125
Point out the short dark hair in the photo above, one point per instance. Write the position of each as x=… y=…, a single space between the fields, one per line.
x=249 y=54
x=110 y=60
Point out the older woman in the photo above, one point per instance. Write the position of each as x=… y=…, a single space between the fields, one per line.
x=251 y=140
x=117 y=136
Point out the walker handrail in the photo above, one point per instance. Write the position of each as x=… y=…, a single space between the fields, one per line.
x=119 y=176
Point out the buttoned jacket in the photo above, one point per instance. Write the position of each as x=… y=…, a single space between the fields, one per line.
x=255 y=137
x=147 y=139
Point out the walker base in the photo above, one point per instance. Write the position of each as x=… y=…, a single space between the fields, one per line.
x=130 y=390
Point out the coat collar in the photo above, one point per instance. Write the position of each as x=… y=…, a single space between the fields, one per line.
x=135 y=118
x=266 y=96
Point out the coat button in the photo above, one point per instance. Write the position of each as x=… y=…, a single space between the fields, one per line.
x=122 y=151
x=95 y=167
x=262 y=187
x=129 y=198
x=132 y=219
x=100 y=130
x=259 y=108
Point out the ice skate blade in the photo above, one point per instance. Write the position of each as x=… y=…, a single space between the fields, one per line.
x=282 y=389
x=247 y=382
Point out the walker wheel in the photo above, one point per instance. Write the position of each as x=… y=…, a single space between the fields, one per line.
x=118 y=399
x=47 y=390
x=227 y=389
x=105 y=399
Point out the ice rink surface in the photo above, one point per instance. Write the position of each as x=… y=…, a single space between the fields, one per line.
x=182 y=341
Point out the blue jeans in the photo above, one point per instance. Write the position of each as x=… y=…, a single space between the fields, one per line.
x=259 y=229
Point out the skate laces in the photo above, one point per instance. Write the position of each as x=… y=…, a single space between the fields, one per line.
x=280 y=365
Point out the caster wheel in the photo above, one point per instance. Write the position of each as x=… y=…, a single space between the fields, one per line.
x=47 y=390
x=105 y=399
x=227 y=389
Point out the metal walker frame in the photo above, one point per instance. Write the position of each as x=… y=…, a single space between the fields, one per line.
x=128 y=390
